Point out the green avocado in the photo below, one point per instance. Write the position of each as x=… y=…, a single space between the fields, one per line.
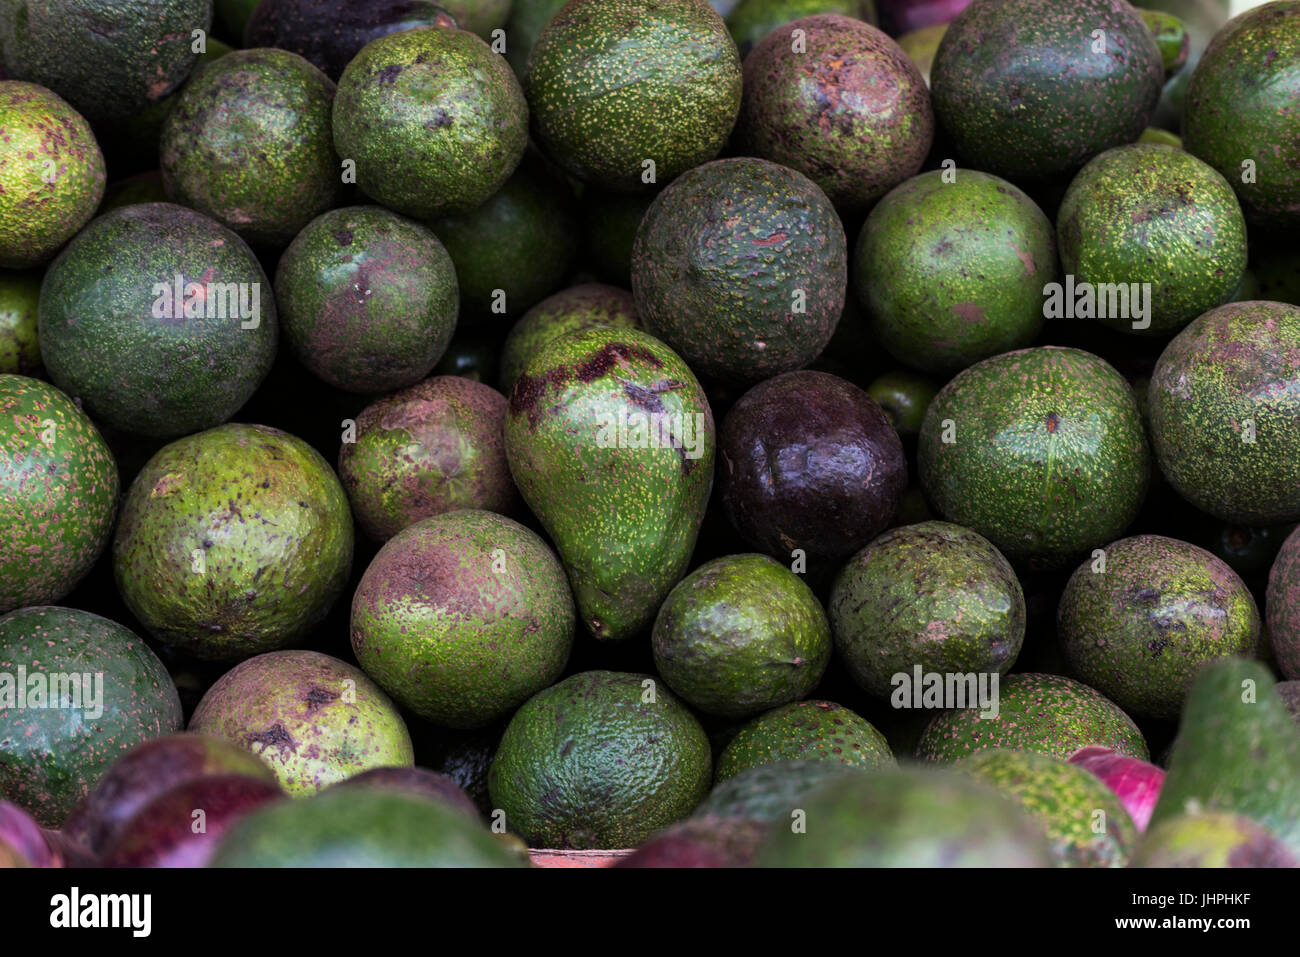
x=1282 y=605
x=751 y=20
x=903 y=396
x=1212 y=839
x=1171 y=36
x=20 y=345
x=805 y=731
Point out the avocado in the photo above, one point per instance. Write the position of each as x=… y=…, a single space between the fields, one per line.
x=1171 y=36
x=1047 y=714
x=1238 y=112
x=361 y=827
x=107 y=58
x=603 y=759
x=432 y=120
x=528 y=18
x=249 y=143
x=76 y=690
x=413 y=780
x=368 y=299
x=840 y=102
x=751 y=20
x=1028 y=91
x=699 y=842
x=740 y=635
x=1223 y=401
x=1041 y=451
x=1160 y=137
x=1212 y=839
x=610 y=440
x=435 y=447
x=61 y=486
x=601 y=68
x=1237 y=750
x=462 y=617
x=158 y=319
x=610 y=221
x=51 y=174
x=233 y=542
x=805 y=731
x=483 y=17
x=1140 y=625
x=952 y=272
x=769 y=792
x=314 y=719
x=906 y=817
x=741 y=266
x=903 y=396
x=935 y=595
x=1282 y=605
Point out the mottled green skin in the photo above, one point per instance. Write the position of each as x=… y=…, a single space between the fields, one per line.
x=1282 y=607
x=20 y=347
x=1241 y=105
x=481 y=16
x=57 y=498
x=1171 y=36
x=952 y=273
x=1048 y=458
x=769 y=792
x=1237 y=750
x=1047 y=714
x=435 y=447
x=740 y=635
x=249 y=143
x=50 y=758
x=610 y=221
x=1234 y=365
x=1065 y=799
x=624 y=520
x=1212 y=839
x=1154 y=214
x=1140 y=630
x=528 y=18
x=435 y=121
x=462 y=617
x=592 y=763
x=850 y=110
x=805 y=731
x=521 y=241
x=107 y=58
x=1021 y=93
x=368 y=299
x=751 y=20
x=908 y=817
x=903 y=396
x=601 y=68
x=741 y=265
x=157 y=377
x=51 y=174
x=935 y=595
x=1160 y=137
x=570 y=310
x=314 y=719
x=272 y=532
x=361 y=827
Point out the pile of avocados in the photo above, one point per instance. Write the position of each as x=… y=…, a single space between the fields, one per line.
x=732 y=435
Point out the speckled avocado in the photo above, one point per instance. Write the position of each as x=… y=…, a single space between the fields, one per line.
x=1240 y=105
x=60 y=493
x=935 y=595
x=1138 y=627
x=1282 y=605
x=113 y=694
x=433 y=120
x=1026 y=91
x=620 y=405
x=741 y=266
x=141 y=354
x=1154 y=214
x=368 y=299
x=602 y=759
x=1212 y=839
x=314 y=719
x=844 y=106
x=435 y=447
x=1048 y=714
x=601 y=67
x=1041 y=451
x=249 y=143
x=740 y=635
x=51 y=174
x=953 y=272
x=1223 y=401
x=20 y=346
x=525 y=25
x=462 y=617
x=903 y=396
x=805 y=731
x=1085 y=822
x=751 y=20
x=233 y=542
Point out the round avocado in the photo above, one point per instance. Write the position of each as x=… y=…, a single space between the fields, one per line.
x=462 y=617
x=1212 y=839
x=770 y=792
x=751 y=20
x=368 y=299
x=805 y=731
x=60 y=486
x=51 y=174
x=482 y=17
x=1282 y=606
x=903 y=396
x=20 y=345
x=952 y=271
x=610 y=221
x=233 y=542
x=1171 y=36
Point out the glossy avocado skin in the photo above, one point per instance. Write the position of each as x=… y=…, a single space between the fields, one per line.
x=805 y=730
x=903 y=396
